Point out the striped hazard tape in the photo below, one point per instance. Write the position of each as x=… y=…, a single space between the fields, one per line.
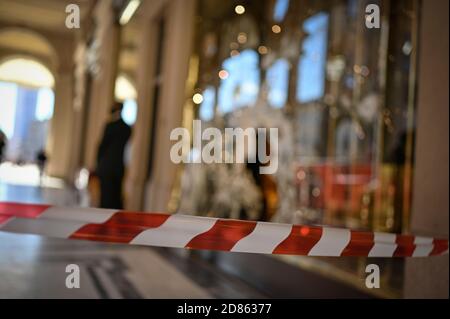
x=157 y=229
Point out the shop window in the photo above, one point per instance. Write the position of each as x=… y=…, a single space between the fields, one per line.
x=278 y=83
x=311 y=67
x=207 y=106
x=280 y=10
x=351 y=140
x=241 y=87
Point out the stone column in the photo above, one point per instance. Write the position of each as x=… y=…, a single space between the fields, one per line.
x=61 y=138
x=108 y=36
x=79 y=78
x=177 y=50
x=140 y=139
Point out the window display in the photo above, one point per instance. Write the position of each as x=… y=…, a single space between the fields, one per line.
x=341 y=94
x=345 y=90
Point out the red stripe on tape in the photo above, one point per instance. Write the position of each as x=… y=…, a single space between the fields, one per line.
x=122 y=227
x=223 y=235
x=360 y=244
x=300 y=241
x=22 y=210
x=405 y=246
x=440 y=246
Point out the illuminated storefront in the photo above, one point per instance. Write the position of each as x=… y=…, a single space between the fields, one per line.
x=346 y=90
x=342 y=95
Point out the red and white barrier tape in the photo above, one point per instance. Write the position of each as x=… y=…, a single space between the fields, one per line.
x=157 y=229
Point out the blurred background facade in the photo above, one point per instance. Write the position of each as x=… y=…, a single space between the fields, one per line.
x=362 y=114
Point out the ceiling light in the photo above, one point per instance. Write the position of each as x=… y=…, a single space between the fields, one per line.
x=129 y=10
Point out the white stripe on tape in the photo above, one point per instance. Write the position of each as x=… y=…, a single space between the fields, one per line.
x=91 y=215
x=263 y=239
x=46 y=227
x=422 y=250
x=332 y=242
x=4 y=223
x=418 y=240
x=384 y=245
x=424 y=246
x=176 y=231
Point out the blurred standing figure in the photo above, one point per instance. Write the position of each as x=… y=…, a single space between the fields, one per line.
x=41 y=159
x=2 y=144
x=110 y=163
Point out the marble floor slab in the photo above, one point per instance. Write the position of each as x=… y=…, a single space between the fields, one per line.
x=35 y=267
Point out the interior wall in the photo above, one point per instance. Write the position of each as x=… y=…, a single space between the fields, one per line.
x=428 y=277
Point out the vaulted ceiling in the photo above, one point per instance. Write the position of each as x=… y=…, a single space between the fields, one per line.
x=41 y=14
x=25 y=25
x=37 y=28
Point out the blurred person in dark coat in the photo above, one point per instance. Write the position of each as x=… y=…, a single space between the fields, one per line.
x=3 y=140
x=41 y=160
x=110 y=162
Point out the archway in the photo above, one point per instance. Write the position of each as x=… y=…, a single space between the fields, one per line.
x=26 y=86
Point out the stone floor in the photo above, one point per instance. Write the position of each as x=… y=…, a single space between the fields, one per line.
x=35 y=267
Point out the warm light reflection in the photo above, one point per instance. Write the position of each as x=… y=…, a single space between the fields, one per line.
x=276 y=28
x=242 y=38
x=197 y=98
x=263 y=50
x=234 y=53
x=223 y=74
x=304 y=231
x=239 y=9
